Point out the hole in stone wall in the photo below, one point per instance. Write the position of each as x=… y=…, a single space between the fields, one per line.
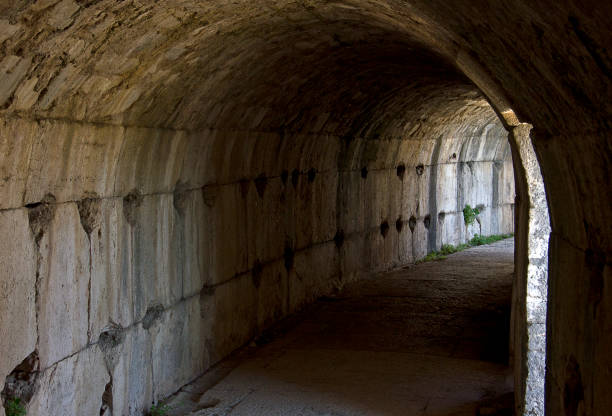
x=470 y=165
x=420 y=169
x=401 y=170
x=180 y=198
x=399 y=224
x=454 y=156
x=412 y=223
x=209 y=194
x=441 y=216
x=21 y=383
x=107 y=400
x=131 y=202
x=256 y=273
x=364 y=172
x=284 y=176
x=260 y=184
x=244 y=187
x=427 y=221
x=295 y=177
x=205 y=300
x=312 y=172
x=40 y=215
x=288 y=255
x=339 y=238
x=154 y=314
x=110 y=338
x=384 y=228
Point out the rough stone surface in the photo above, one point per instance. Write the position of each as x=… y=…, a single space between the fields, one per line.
x=17 y=291
x=63 y=287
x=132 y=375
x=531 y=283
x=61 y=389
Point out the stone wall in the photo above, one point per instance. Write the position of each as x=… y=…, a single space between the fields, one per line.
x=139 y=257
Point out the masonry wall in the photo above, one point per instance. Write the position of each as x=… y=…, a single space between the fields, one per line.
x=139 y=257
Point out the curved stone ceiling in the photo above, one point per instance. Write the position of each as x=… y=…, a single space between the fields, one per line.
x=187 y=64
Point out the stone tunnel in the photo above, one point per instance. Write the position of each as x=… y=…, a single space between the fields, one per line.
x=178 y=176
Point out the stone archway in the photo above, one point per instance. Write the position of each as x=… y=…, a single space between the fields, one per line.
x=530 y=292
x=117 y=116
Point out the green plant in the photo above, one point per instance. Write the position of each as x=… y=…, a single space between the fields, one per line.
x=159 y=410
x=13 y=407
x=479 y=240
x=434 y=255
x=470 y=214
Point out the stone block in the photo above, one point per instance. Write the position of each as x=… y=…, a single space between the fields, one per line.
x=351 y=202
x=446 y=187
x=375 y=199
x=111 y=269
x=419 y=239
x=326 y=152
x=449 y=228
x=17 y=290
x=150 y=160
x=314 y=274
x=267 y=208
x=70 y=160
x=177 y=347
x=192 y=242
x=229 y=314
x=197 y=168
x=16 y=141
x=405 y=255
x=72 y=387
x=63 y=287
x=260 y=154
x=229 y=232
x=154 y=277
x=306 y=197
x=324 y=209
x=271 y=283
x=132 y=388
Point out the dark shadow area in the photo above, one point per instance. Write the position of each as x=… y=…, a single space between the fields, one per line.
x=427 y=339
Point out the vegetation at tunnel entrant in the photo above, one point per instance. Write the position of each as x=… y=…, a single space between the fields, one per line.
x=447 y=249
x=479 y=240
x=13 y=407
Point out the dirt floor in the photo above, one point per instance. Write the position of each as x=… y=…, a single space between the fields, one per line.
x=428 y=339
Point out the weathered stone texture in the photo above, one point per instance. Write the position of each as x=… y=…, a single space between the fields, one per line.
x=18 y=326
x=132 y=375
x=72 y=386
x=63 y=287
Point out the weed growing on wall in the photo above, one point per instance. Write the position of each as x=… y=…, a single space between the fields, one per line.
x=13 y=407
x=470 y=214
